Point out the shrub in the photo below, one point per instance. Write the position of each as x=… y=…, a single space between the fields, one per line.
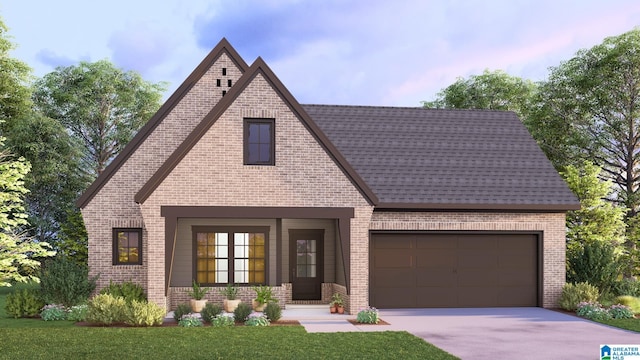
x=257 y=320
x=53 y=313
x=65 y=282
x=242 y=312
x=632 y=302
x=573 y=294
x=223 y=321
x=272 y=311
x=620 y=312
x=106 y=309
x=128 y=290
x=626 y=287
x=181 y=310
x=210 y=311
x=24 y=303
x=593 y=311
x=77 y=313
x=594 y=262
x=368 y=316
x=190 y=320
x=142 y=313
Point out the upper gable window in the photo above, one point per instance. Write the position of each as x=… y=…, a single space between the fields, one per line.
x=259 y=142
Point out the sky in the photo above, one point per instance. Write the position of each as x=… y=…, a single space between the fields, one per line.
x=353 y=52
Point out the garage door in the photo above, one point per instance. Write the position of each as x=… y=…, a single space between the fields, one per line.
x=453 y=270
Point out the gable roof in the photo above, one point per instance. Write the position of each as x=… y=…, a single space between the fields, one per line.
x=445 y=159
x=258 y=67
x=222 y=48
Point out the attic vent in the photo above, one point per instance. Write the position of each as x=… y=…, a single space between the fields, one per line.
x=218 y=82
x=224 y=71
x=229 y=83
x=224 y=92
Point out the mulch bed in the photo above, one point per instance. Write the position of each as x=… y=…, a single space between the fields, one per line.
x=171 y=323
x=381 y=322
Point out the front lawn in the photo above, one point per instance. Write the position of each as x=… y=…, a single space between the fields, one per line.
x=627 y=324
x=34 y=338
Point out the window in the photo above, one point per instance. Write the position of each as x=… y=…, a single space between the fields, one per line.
x=259 y=142
x=127 y=246
x=230 y=255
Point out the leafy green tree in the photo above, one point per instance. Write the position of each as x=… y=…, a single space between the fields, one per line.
x=495 y=90
x=18 y=253
x=73 y=240
x=102 y=107
x=15 y=94
x=597 y=219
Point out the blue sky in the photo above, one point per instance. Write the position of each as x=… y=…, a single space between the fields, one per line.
x=373 y=52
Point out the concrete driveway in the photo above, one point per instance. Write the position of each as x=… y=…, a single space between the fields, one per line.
x=507 y=333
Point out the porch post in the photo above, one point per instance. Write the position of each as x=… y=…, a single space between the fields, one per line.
x=344 y=229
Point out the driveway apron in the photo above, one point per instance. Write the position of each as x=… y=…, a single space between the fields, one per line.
x=508 y=333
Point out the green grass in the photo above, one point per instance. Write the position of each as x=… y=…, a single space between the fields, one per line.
x=37 y=339
x=627 y=324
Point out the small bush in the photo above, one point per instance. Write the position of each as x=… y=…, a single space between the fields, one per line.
x=142 y=313
x=223 y=321
x=368 y=316
x=257 y=320
x=53 y=313
x=573 y=294
x=632 y=302
x=181 y=310
x=128 y=290
x=272 y=311
x=242 y=312
x=106 y=309
x=190 y=320
x=65 y=282
x=77 y=313
x=24 y=303
x=629 y=287
x=593 y=311
x=620 y=312
x=594 y=262
x=210 y=311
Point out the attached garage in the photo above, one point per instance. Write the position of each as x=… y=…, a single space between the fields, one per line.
x=472 y=269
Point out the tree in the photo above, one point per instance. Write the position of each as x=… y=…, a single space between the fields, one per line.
x=495 y=90
x=597 y=219
x=15 y=94
x=18 y=254
x=54 y=183
x=102 y=106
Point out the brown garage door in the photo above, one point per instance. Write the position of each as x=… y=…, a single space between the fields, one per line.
x=453 y=270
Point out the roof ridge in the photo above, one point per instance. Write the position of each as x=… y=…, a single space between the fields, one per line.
x=409 y=108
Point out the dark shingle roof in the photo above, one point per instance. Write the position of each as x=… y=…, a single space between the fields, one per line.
x=422 y=158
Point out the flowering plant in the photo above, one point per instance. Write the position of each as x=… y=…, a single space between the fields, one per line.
x=223 y=320
x=620 y=312
x=368 y=315
x=53 y=312
x=77 y=313
x=593 y=311
x=257 y=320
x=190 y=320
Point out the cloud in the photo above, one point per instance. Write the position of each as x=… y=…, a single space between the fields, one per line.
x=139 y=48
x=50 y=58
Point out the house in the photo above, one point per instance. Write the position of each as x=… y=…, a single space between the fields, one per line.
x=234 y=181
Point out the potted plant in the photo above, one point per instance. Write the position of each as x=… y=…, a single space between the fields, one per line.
x=337 y=304
x=197 y=294
x=231 y=301
x=264 y=295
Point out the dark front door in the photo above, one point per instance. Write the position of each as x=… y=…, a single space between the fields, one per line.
x=306 y=259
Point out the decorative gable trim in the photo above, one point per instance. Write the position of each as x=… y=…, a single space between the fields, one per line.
x=222 y=48
x=258 y=67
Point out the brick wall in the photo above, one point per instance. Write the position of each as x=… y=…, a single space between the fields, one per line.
x=552 y=225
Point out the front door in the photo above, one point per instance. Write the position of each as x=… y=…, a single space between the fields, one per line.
x=306 y=259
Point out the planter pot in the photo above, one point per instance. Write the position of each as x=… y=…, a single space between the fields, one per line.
x=197 y=305
x=230 y=305
x=258 y=306
x=340 y=310
x=333 y=309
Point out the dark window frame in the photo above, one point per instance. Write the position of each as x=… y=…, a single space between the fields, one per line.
x=272 y=138
x=116 y=257
x=231 y=252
